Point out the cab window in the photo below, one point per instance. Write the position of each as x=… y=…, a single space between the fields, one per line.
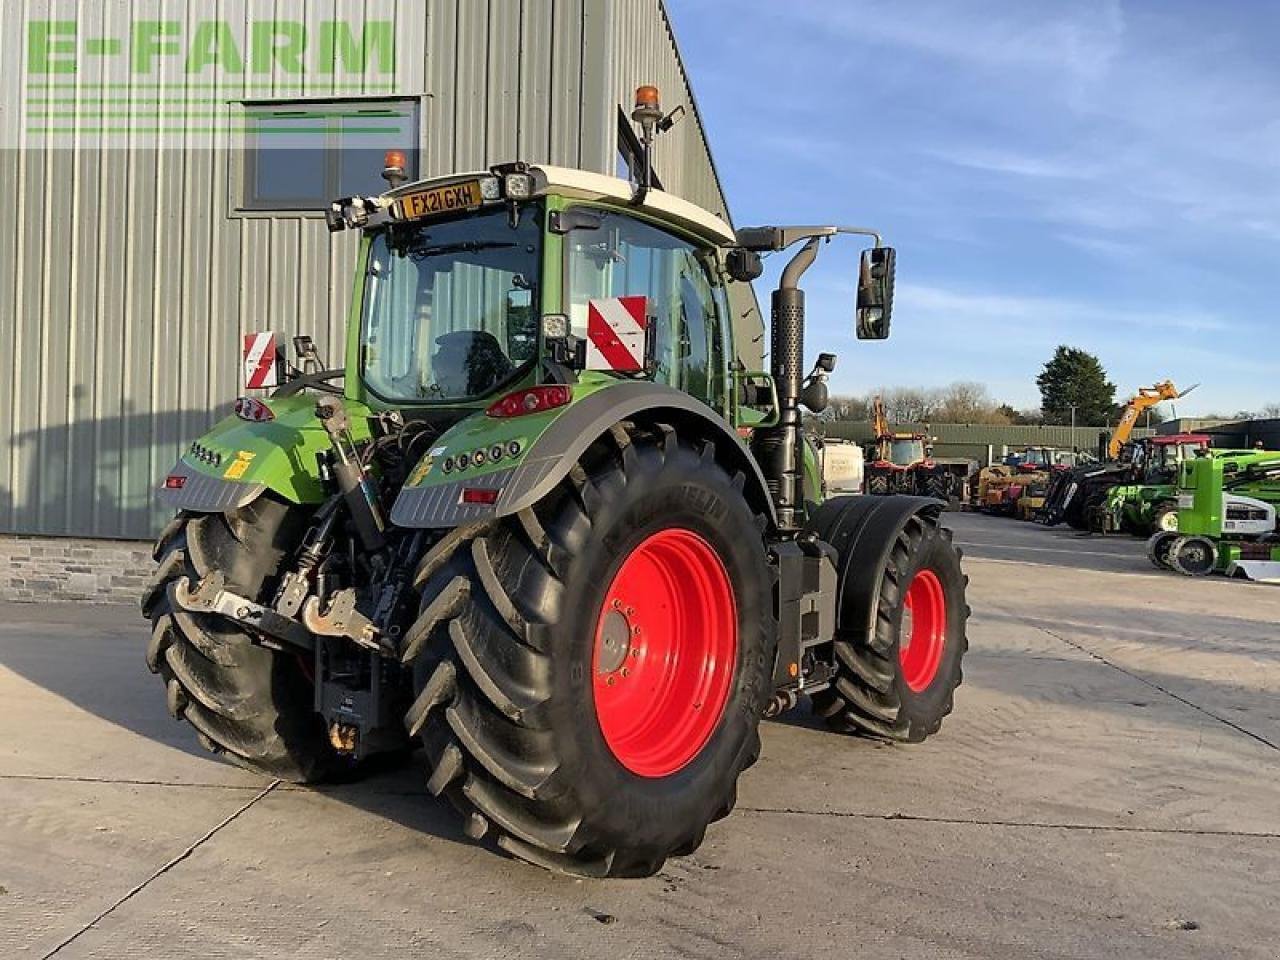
x=626 y=257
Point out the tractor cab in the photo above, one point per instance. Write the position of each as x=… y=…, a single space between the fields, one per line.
x=1156 y=459
x=1035 y=459
x=475 y=287
x=903 y=449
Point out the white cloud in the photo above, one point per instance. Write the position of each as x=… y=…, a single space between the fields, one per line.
x=1052 y=314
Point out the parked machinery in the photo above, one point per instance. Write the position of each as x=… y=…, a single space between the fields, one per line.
x=1226 y=517
x=1072 y=496
x=902 y=462
x=841 y=464
x=1150 y=502
x=1003 y=487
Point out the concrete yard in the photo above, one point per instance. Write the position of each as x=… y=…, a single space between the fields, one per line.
x=1109 y=785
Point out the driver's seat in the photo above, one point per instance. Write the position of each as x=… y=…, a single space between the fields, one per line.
x=468 y=363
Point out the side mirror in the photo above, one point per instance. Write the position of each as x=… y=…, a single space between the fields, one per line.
x=875 y=293
x=743 y=265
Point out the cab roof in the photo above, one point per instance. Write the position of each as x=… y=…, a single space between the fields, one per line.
x=584 y=185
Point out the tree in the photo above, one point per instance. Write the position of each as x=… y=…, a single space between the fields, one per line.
x=1075 y=378
x=1023 y=417
x=968 y=402
x=909 y=404
x=844 y=407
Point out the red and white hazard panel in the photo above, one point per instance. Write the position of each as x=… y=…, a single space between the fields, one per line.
x=260 y=360
x=616 y=332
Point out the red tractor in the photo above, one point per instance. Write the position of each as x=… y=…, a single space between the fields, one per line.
x=904 y=463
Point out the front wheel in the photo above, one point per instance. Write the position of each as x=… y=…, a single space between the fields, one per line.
x=1165 y=518
x=1193 y=556
x=593 y=670
x=899 y=681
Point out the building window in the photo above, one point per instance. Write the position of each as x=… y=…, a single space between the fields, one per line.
x=302 y=155
x=629 y=150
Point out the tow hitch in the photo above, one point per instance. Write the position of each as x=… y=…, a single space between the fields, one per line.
x=211 y=596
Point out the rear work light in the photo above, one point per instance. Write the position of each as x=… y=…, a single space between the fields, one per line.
x=255 y=411
x=521 y=403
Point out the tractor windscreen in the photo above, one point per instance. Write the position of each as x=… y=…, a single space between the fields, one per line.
x=451 y=307
x=906 y=452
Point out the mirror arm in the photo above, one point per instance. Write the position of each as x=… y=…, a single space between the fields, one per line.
x=864 y=232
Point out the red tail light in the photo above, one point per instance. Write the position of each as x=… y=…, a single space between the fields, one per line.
x=175 y=481
x=483 y=496
x=521 y=403
x=255 y=411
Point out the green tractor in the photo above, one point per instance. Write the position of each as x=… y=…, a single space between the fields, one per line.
x=1226 y=517
x=1149 y=503
x=544 y=527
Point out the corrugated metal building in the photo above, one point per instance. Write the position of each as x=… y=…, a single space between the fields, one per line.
x=1230 y=434
x=152 y=217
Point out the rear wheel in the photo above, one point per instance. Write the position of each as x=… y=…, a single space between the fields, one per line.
x=1158 y=549
x=591 y=672
x=251 y=704
x=937 y=486
x=900 y=682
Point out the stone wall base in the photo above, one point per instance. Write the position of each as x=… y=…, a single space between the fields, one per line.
x=43 y=569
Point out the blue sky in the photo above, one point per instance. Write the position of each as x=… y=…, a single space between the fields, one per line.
x=1101 y=174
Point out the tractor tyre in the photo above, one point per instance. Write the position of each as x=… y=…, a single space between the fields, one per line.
x=248 y=703
x=936 y=485
x=1165 y=517
x=1083 y=507
x=900 y=683
x=1158 y=547
x=591 y=672
x=1193 y=556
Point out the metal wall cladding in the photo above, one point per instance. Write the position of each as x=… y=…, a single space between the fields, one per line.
x=128 y=278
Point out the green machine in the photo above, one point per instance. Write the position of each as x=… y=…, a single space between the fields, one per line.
x=1226 y=517
x=1148 y=503
x=544 y=527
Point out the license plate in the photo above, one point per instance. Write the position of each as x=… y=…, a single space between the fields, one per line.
x=456 y=196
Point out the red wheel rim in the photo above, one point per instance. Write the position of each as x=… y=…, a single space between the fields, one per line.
x=924 y=630
x=666 y=644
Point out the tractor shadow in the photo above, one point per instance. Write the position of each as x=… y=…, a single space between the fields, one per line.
x=92 y=657
x=96 y=477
